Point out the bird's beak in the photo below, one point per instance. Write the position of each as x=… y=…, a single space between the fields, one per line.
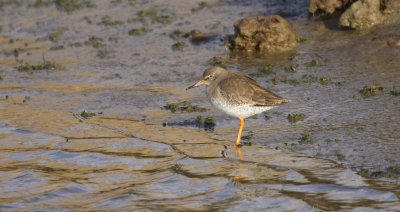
x=201 y=82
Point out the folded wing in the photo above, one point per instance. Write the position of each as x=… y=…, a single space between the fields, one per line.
x=244 y=90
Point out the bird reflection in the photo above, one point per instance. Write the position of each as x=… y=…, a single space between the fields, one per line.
x=239 y=152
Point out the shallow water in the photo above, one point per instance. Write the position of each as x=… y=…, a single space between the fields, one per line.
x=44 y=172
x=124 y=158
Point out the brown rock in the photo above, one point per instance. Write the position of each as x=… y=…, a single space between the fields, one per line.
x=198 y=37
x=362 y=14
x=264 y=34
x=397 y=43
x=326 y=6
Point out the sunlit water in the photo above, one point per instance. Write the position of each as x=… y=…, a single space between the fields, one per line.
x=44 y=172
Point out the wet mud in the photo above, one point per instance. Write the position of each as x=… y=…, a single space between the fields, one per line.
x=94 y=113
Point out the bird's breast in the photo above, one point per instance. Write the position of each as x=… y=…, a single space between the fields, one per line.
x=232 y=108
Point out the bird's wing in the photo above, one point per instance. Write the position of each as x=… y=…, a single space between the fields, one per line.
x=244 y=90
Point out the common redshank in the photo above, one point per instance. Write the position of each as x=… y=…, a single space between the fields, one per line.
x=237 y=95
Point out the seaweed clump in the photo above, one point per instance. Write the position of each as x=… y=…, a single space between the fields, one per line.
x=55 y=36
x=184 y=107
x=155 y=15
x=72 y=5
x=45 y=65
x=95 y=42
x=312 y=63
x=209 y=123
x=177 y=35
x=138 y=31
x=264 y=71
x=200 y=6
x=178 y=46
x=324 y=80
x=305 y=139
x=293 y=118
x=217 y=61
x=368 y=91
x=107 y=21
x=395 y=92
x=87 y=114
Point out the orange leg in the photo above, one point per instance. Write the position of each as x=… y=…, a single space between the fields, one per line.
x=240 y=132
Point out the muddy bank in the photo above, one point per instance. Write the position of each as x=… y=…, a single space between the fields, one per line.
x=331 y=66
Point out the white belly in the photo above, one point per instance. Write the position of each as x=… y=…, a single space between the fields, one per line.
x=239 y=111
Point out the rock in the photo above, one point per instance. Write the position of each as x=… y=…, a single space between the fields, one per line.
x=198 y=37
x=326 y=6
x=362 y=14
x=397 y=43
x=263 y=34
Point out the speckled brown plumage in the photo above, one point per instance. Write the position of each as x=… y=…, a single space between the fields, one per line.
x=240 y=89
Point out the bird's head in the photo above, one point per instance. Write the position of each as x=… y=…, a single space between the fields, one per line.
x=209 y=75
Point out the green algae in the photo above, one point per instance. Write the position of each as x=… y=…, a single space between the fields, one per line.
x=107 y=21
x=76 y=44
x=178 y=46
x=293 y=118
x=43 y=3
x=247 y=137
x=395 y=92
x=368 y=91
x=153 y=16
x=87 y=114
x=198 y=120
x=209 y=123
x=305 y=138
x=69 y=6
x=138 y=31
x=55 y=36
x=312 y=63
x=95 y=42
x=339 y=155
x=324 y=80
x=301 y=39
x=55 y=48
x=309 y=78
x=102 y=53
x=130 y=2
x=184 y=107
x=217 y=61
x=201 y=5
x=29 y=68
x=267 y=116
x=266 y=70
x=178 y=35
x=291 y=68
